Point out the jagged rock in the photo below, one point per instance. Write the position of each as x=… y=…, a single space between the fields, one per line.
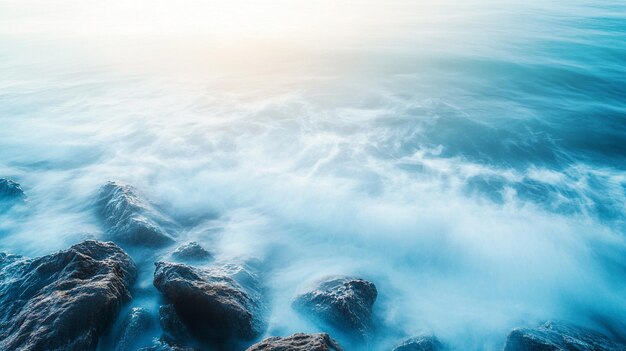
x=172 y=326
x=555 y=336
x=10 y=193
x=191 y=251
x=10 y=190
x=65 y=300
x=132 y=220
x=342 y=302
x=421 y=343
x=218 y=306
x=298 y=342
x=136 y=323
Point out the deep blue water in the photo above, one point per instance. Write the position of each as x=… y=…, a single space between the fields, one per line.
x=470 y=159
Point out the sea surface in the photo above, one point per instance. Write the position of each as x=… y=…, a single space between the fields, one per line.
x=469 y=157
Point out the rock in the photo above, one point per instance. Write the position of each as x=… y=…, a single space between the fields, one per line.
x=162 y=345
x=218 y=306
x=172 y=326
x=555 y=336
x=342 y=302
x=65 y=300
x=191 y=251
x=137 y=322
x=132 y=220
x=10 y=193
x=298 y=342
x=421 y=343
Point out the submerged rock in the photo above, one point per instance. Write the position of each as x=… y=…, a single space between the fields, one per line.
x=10 y=192
x=191 y=251
x=135 y=325
x=132 y=220
x=342 y=302
x=65 y=300
x=173 y=328
x=218 y=306
x=298 y=342
x=554 y=336
x=421 y=343
x=162 y=345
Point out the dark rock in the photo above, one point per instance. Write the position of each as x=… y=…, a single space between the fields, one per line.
x=344 y=303
x=555 y=336
x=218 y=306
x=132 y=220
x=65 y=300
x=421 y=343
x=137 y=322
x=173 y=327
x=298 y=342
x=10 y=193
x=191 y=251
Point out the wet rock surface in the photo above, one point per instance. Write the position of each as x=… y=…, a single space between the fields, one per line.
x=173 y=328
x=10 y=193
x=132 y=220
x=135 y=324
x=421 y=343
x=298 y=342
x=191 y=251
x=65 y=300
x=342 y=302
x=558 y=336
x=218 y=306
x=162 y=345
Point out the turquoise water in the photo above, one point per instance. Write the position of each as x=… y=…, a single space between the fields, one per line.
x=467 y=158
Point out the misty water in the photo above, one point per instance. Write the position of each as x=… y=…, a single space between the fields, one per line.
x=468 y=158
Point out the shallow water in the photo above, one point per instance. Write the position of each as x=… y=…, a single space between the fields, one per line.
x=467 y=158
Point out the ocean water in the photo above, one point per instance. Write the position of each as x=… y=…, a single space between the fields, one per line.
x=469 y=158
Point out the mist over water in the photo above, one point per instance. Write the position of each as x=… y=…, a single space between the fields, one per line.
x=469 y=159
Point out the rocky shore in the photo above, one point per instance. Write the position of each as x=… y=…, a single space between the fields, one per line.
x=68 y=300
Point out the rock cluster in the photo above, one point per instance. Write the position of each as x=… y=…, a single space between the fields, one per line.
x=69 y=299
x=65 y=300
